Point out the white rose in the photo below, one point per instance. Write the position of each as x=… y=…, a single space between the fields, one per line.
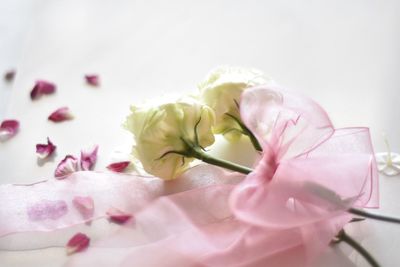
x=169 y=127
x=221 y=91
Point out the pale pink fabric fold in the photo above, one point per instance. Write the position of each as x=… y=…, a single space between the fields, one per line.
x=48 y=205
x=282 y=214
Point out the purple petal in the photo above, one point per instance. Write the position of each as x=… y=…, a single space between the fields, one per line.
x=42 y=88
x=118 y=166
x=118 y=216
x=67 y=166
x=45 y=150
x=77 y=243
x=47 y=209
x=8 y=129
x=92 y=80
x=88 y=158
x=61 y=114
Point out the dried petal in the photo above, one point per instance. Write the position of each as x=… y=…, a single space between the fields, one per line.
x=9 y=75
x=88 y=158
x=118 y=166
x=45 y=150
x=42 y=88
x=118 y=216
x=8 y=129
x=61 y=114
x=67 y=166
x=47 y=209
x=77 y=243
x=84 y=205
x=92 y=80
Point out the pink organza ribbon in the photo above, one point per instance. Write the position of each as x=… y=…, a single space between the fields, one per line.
x=284 y=213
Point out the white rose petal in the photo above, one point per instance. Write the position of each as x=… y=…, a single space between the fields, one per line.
x=161 y=129
x=221 y=91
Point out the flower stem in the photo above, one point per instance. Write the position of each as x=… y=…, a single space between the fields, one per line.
x=373 y=216
x=252 y=138
x=198 y=153
x=247 y=132
x=342 y=236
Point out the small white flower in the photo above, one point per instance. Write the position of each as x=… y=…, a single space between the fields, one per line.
x=388 y=162
x=221 y=91
x=169 y=127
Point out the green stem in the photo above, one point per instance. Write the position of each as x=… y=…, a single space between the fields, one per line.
x=252 y=138
x=373 y=216
x=342 y=236
x=198 y=153
x=247 y=132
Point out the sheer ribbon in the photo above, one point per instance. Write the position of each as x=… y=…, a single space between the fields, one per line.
x=285 y=212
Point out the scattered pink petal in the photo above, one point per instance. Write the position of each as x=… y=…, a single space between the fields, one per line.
x=45 y=150
x=67 y=166
x=92 y=80
x=8 y=128
x=42 y=88
x=88 y=158
x=9 y=75
x=61 y=114
x=47 y=209
x=118 y=216
x=84 y=205
x=118 y=166
x=77 y=243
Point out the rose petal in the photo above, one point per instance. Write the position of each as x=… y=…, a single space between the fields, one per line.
x=118 y=166
x=8 y=129
x=47 y=209
x=118 y=216
x=9 y=75
x=92 y=80
x=88 y=158
x=84 y=205
x=45 y=150
x=42 y=88
x=67 y=166
x=61 y=114
x=77 y=243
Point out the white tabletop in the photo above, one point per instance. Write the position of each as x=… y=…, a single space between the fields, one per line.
x=344 y=54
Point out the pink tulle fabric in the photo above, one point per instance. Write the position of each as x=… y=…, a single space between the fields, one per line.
x=284 y=213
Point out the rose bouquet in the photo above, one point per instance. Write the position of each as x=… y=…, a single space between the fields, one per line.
x=307 y=182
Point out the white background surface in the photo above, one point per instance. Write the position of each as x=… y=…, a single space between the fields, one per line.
x=344 y=54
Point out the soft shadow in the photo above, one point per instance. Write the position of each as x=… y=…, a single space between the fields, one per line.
x=40 y=162
x=333 y=257
x=241 y=152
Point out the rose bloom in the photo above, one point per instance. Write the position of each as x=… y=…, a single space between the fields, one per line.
x=159 y=129
x=221 y=90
